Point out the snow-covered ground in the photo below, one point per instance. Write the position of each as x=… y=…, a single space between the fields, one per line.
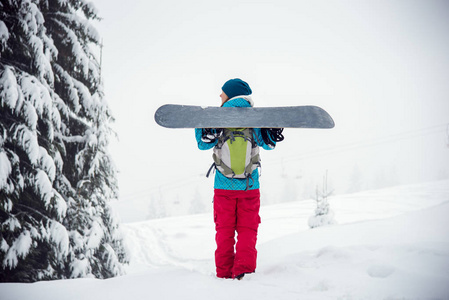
x=388 y=244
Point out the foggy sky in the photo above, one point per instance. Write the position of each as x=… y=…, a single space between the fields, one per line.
x=380 y=68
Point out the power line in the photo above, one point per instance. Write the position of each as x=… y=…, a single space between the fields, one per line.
x=181 y=182
x=174 y=184
x=369 y=143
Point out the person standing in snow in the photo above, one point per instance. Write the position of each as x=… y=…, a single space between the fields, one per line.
x=236 y=200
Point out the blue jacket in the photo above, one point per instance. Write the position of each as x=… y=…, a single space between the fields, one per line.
x=221 y=181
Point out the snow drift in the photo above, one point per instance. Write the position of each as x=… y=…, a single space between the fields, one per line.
x=389 y=244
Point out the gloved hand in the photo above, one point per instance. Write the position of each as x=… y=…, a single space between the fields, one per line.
x=210 y=135
x=272 y=135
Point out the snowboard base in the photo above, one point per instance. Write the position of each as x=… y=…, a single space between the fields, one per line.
x=188 y=116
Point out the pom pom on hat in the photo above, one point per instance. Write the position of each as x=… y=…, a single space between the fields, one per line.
x=236 y=87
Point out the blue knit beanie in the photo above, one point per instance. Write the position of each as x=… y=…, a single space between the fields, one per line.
x=236 y=87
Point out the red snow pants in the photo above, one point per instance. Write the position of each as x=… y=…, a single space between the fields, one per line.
x=236 y=211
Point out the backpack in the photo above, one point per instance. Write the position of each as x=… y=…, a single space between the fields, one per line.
x=236 y=154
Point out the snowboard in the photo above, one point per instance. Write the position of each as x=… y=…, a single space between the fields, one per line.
x=188 y=116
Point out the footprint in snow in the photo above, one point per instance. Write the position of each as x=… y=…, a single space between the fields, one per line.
x=380 y=271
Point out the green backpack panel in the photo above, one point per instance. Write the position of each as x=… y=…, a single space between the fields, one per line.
x=236 y=154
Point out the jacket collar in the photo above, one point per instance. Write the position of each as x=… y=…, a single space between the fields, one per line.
x=247 y=98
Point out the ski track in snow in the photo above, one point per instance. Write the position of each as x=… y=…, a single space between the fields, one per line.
x=389 y=244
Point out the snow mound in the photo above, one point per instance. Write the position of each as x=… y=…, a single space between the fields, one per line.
x=405 y=256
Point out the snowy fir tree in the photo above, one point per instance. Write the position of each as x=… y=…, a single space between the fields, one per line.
x=323 y=214
x=197 y=205
x=56 y=176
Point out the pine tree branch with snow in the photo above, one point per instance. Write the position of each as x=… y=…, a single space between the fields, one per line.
x=56 y=176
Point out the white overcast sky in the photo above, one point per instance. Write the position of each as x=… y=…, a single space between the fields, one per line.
x=381 y=68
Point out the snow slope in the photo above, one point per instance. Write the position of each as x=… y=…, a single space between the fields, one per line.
x=389 y=244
